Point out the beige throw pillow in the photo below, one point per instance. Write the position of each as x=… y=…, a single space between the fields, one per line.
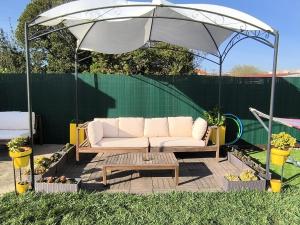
x=199 y=128
x=95 y=132
x=110 y=127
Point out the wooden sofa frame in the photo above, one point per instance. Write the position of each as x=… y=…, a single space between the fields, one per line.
x=85 y=146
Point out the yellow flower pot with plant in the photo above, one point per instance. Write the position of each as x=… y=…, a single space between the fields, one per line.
x=281 y=142
x=19 y=152
x=22 y=187
x=216 y=118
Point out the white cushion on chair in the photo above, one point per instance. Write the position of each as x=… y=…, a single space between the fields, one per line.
x=175 y=142
x=110 y=127
x=156 y=127
x=15 y=120
x=180 y=126
x=130 y=127
x=95 y=132
x=199 y=128
x=120 y=143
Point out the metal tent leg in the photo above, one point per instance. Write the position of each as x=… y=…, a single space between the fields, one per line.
x=220 y=86
x=29 y=103
x=272 y=103
x=76 y=88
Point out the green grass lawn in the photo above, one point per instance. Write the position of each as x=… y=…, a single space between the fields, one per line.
x=291 y=172
x=174 y=208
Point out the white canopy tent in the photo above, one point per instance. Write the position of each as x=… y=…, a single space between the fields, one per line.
x=120 y=26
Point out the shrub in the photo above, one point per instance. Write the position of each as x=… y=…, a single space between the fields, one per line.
x=283 y=141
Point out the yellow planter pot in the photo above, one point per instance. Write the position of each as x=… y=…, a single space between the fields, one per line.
x=213 y=136
x=275 y=185
x=278 y=156
x=22 y=188
x=21 y=159
x=73 y=134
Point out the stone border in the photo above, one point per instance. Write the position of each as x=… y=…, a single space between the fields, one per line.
x=57 y=187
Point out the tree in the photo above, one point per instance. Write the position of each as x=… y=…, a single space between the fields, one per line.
x=12 y=59
x=156 y=61
x=51 y=53
x=245 y=70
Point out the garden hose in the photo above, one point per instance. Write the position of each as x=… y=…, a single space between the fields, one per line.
x=238 y=123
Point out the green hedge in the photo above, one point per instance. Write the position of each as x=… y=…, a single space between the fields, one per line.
x=147 y=96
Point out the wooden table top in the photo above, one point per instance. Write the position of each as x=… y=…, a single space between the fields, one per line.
x=141 y=159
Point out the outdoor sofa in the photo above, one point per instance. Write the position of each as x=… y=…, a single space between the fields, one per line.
x=133 y=134
x=15 y=124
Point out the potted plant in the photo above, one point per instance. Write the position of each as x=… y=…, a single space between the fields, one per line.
x=216 y=118
x=73 y=133
x=275 y=185
x=22 y=187
x=281 y=142
x=58 y=184
x=242 y=161
x=19 y=151
x=246 y=180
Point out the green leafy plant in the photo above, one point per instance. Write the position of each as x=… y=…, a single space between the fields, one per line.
x=248 y=175
x=283 y=141
x=23 y=183
x=214 y=117
x=61 y=179
x=249 y=162
x=16 y=144
x=231 y=177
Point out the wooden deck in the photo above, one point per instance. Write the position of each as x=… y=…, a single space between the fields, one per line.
x=198 y=172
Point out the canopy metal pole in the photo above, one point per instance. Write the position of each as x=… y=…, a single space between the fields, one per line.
x=260 y=120
x=272 y=103
x=220 y=86
x=76 y=88
x=29 y=103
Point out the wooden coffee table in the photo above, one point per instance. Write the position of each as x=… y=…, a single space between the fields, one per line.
x=141 y=161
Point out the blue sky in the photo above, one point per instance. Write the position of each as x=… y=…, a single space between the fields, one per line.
x=283 y=15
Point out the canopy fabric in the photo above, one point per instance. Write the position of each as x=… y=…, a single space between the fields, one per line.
x=284 y=121
x=120 y=26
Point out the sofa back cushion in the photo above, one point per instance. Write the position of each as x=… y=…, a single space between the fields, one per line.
x=199 y=128
x=95 y=132
x=15 y=120
x=156 y=127
x=180 y=126
x=131 y=127
x=110 y=127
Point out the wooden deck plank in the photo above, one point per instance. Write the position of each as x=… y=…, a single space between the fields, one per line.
x=196 y=174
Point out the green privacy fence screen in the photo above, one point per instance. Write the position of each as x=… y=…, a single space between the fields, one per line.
x=148 y=96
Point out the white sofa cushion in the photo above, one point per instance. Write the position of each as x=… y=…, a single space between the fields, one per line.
x=110 y=126
x=95 y=132
x=141 y=142
x=156 y=127
x=199 y=128
x=10 y=134
x=130 y=127
x=175 y=142
x=15 y=120
x=180 y=126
